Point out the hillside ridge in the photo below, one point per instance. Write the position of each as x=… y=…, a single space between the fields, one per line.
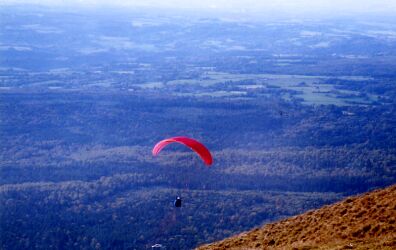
x=364 y=221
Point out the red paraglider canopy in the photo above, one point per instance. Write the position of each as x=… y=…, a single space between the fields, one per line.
x=195 y=145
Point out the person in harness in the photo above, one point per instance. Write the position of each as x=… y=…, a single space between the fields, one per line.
x=178 y=202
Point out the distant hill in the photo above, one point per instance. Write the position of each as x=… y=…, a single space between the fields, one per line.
x=360 y=222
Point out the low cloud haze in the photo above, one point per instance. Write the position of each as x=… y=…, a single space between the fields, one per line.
x=242 y=6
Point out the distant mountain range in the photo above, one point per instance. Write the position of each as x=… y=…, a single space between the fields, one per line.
x=360 y=222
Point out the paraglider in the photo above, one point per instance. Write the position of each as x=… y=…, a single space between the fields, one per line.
x=195 y=145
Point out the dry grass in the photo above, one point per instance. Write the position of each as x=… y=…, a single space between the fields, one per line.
x=361 y=222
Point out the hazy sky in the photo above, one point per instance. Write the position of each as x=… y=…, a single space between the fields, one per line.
x=293 y=6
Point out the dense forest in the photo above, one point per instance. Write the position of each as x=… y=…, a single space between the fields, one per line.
x=77 y=169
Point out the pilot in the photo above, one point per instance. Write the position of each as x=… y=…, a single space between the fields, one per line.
x=178 y=201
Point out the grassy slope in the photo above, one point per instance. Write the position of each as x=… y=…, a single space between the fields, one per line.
x=361 y=222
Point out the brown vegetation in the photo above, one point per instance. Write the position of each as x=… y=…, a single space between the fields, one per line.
x=360 y=222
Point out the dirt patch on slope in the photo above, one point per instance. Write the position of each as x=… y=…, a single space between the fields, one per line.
x=361 y=222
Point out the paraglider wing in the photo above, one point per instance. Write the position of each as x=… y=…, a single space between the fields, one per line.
x=195 y=145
